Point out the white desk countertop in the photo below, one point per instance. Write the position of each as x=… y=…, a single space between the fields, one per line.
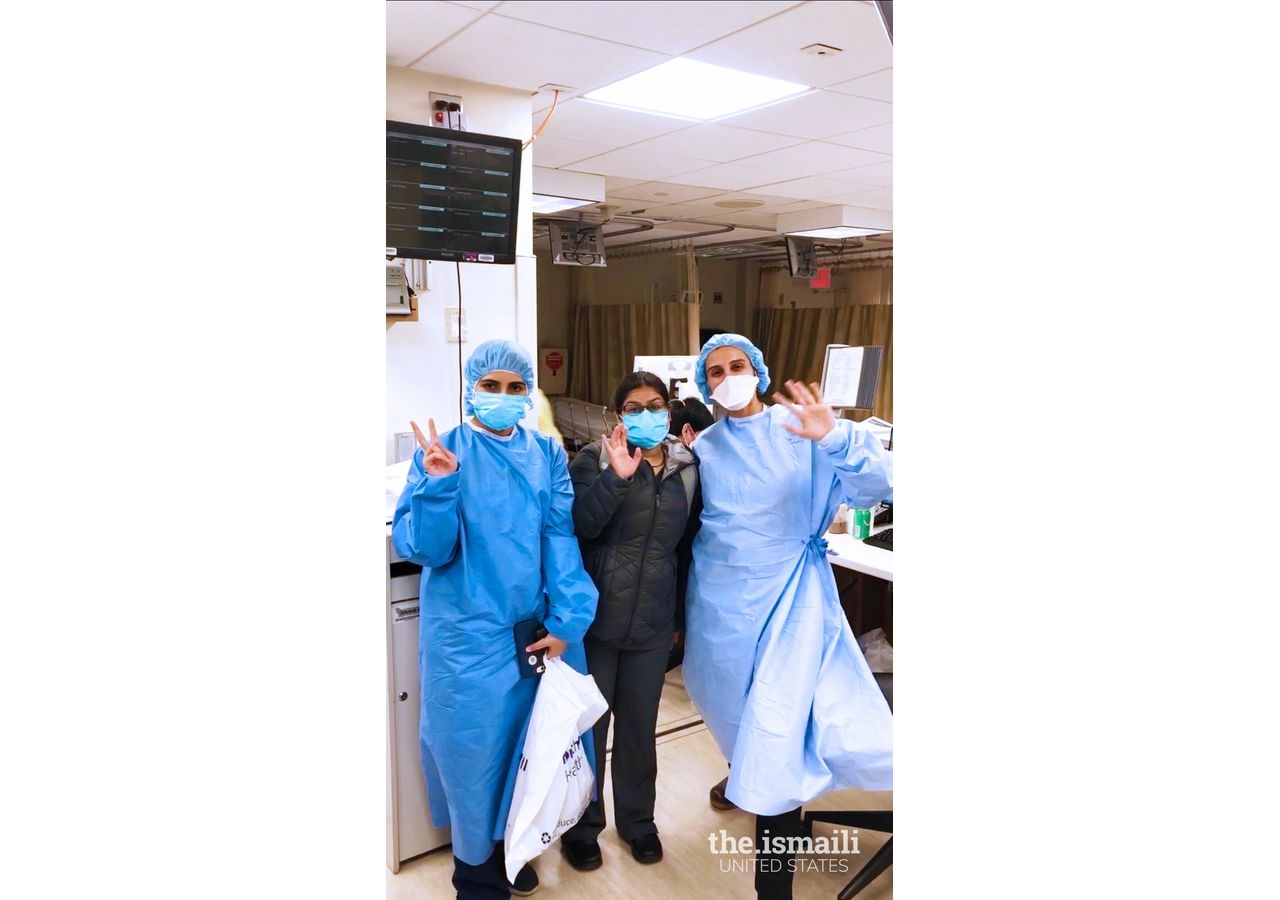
x=853 y=554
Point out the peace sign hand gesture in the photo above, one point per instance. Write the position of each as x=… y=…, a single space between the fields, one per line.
x=615 y=448
x=436 y=460
x=816 y=418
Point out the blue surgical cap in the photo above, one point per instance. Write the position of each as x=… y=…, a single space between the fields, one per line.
x=730 y=340
x=490 y=357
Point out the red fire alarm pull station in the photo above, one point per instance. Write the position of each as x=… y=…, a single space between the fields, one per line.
x=821 y=280
x=553 y=371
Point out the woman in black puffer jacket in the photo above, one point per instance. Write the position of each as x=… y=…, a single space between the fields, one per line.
x=635 y=513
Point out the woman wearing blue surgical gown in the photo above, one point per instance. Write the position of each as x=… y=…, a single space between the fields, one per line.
x=487 y=511
x=770 y=660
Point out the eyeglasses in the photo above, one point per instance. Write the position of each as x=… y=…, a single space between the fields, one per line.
x=657 y=406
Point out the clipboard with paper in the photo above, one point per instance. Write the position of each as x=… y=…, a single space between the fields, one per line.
x=850 y=376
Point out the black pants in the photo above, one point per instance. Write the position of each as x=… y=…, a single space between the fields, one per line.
x=631 y=682
x=487 y=881
x=773 y=870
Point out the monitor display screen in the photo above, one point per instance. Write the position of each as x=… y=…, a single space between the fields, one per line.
x=801 y=260
x=451 y=195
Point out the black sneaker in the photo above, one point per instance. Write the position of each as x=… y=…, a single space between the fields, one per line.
x=583 y=855
x=526 y=882
x=718 y=799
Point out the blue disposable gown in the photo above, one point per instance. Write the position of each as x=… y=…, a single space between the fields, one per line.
x=770 y=660
x=494 y=537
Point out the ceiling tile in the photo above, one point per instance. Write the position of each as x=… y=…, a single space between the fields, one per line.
x=649 y=191
x=748 y=217
x=545 y=56
x=799 y=206
x=876 y=198
x=636 y=164
x=813 y=188
x=877 y=86
x=475 y=4
x=582 y=120
x=815 y=116
x=717 y=143
x=671 y=211
x=768 y=203
x=660 y=25
x=814 y=158
x=878 y=138
x=727 y=177
x=879 y=174
x=414 y=28
x=613 y=183
x=773 y=47
x=555 y=152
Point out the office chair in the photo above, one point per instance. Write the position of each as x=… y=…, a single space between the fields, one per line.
x=871 y=820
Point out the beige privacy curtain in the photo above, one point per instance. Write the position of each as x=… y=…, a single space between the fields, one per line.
x=794 y=341
x=606 y=340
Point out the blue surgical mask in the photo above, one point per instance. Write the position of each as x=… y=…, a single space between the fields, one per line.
x=499 y=411
x=646 y=429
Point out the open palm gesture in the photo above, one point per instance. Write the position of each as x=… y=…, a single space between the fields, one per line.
x=615 y=449
x=816 y=418
x=436 y=460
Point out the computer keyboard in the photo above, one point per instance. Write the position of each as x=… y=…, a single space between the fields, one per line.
x=881 y=539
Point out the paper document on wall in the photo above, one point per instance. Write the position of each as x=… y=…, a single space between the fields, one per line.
x=841 y=375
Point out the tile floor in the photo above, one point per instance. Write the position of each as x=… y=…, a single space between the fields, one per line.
x=689 y=763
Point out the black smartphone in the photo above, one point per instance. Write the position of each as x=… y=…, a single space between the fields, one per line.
x=527 y=632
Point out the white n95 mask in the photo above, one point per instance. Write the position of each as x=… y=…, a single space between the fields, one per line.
x=736 y=391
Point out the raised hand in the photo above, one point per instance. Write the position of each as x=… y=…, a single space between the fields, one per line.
x=436 y=460
x=816 y=418
x=615 y=449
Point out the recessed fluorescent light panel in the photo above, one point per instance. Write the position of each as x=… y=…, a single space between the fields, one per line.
x=837 y=233
x=544 y=205
x=685 y=89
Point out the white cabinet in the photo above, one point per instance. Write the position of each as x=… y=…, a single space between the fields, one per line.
x=410 y=831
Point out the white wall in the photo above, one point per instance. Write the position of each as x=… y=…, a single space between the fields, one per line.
x=500 y=301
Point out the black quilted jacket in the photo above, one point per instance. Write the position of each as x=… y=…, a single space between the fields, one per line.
x=636 y=537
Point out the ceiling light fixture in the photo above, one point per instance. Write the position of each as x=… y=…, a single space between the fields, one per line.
x=835 y=222
x=555 y=190
x=697 y=91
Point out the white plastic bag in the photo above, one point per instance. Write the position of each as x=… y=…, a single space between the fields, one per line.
x=877 y=649
x=554 y=782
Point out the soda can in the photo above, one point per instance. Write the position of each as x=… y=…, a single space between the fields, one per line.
x=860 y=523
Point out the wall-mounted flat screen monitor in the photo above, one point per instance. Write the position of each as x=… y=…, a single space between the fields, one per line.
x=801 y=260
x=451 y=195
